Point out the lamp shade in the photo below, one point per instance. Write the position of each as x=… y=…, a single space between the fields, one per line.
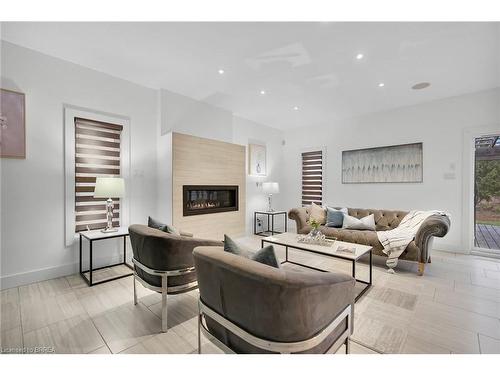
x=109 y=187
x=271 y=187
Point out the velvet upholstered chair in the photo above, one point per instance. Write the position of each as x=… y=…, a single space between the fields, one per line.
x=249 y=307
x=164 y=262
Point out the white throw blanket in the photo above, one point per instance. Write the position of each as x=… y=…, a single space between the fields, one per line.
x=396 y=240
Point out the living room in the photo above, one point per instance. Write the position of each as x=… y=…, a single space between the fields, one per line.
x=250 y=187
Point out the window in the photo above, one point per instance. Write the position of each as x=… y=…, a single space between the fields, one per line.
x=97 y=154
x=312 y=177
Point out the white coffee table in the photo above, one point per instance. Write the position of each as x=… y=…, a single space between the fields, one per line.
x=289 y=240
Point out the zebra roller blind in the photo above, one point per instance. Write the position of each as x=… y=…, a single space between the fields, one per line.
x=97 y=154
x=312 y=177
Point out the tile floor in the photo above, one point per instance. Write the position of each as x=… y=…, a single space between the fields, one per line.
x=453 y=308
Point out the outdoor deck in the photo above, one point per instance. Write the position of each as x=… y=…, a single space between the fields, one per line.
x=487 y=236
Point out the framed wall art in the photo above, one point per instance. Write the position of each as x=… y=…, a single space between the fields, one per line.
x=257 y=160
x=400 y=163
x=12 y=124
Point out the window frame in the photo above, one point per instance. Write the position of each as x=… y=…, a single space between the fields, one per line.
x=70 y=113
x=323 y=170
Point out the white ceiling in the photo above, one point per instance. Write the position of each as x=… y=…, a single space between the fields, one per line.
x=309 y=65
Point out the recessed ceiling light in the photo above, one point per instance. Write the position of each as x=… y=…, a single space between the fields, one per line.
x=221 y=71
x=295 y=108
x=359 y=56
x=421 y=85
x=262 y=92
x=381 y=84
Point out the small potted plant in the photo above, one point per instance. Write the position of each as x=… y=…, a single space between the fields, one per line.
x=315 y=224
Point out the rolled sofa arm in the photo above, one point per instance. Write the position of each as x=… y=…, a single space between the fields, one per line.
x=433 y=226
x=300 y=215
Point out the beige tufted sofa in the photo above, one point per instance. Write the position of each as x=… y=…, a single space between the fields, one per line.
x=418 y=250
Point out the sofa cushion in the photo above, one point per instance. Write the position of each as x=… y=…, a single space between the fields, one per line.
x=317 y=213
x=265 y=255
x=365 y=223
x=384 y=219
x=362 y=237
x=334 y=217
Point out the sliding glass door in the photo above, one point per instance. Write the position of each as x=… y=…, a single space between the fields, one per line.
x=487 y=194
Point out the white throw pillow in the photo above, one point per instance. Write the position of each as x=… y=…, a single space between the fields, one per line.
x=365 y=223
x=317 y=213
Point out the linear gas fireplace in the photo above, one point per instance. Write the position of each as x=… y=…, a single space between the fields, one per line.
x=207 y=199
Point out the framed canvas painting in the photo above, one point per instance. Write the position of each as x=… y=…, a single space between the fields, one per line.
x=400 y=163
x=257 y=160
x=12 y=124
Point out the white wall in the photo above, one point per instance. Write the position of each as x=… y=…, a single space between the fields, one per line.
x=245 y=132
x=188 y=116
x=32 y=191
x=32 y=214
x=439 y=125
x=185 y=115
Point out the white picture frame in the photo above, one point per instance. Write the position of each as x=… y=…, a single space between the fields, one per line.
x=257 y=160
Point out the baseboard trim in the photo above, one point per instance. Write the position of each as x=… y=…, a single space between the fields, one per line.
x=24 y=278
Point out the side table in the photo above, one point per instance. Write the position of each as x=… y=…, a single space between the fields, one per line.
x=97 y=235
x=270 y=222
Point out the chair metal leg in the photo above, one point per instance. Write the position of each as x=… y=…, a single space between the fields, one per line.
x=199 y=332
x=164 y=325
x=135 y=290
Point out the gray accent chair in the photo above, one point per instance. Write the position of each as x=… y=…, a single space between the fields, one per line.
x=418 y=250
x=248 y=307
x=164 y=262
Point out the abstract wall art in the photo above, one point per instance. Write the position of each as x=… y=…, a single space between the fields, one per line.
x=400 y=163
x=257 y=160
x=12 y=125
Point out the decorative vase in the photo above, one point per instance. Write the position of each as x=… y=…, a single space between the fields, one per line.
x=314 y=232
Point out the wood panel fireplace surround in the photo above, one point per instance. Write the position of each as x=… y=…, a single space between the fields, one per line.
x=206 y=164
x=208 y=199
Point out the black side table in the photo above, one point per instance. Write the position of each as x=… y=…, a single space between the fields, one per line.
x=97 y=235
x=270 y=222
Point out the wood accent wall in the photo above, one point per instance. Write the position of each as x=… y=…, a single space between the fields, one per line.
x=201 y=161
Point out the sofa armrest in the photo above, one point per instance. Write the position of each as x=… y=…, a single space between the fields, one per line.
x=186 y=234
x=433 y=226
x=300 y=216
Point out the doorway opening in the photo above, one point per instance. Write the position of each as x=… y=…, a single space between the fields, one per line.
x=487 y=193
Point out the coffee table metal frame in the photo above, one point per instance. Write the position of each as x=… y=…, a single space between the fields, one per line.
x=367 y=284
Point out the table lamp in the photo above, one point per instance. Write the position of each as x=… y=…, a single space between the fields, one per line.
x=108 y=187
x=270 y=188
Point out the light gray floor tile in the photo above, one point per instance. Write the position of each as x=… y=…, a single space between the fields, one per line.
x=11 y=340
x=73 y=335
x=489 y=345
x=10 y=313
x=37 y=313
x=127 y=326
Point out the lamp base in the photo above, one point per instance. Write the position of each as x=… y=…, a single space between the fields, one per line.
x=270 y=203
x=109 y=230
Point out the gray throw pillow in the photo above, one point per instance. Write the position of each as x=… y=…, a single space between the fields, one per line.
x=152 y=223
x=265 y=255
x=365 y=223
x=334 y=217
x=171 y=229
